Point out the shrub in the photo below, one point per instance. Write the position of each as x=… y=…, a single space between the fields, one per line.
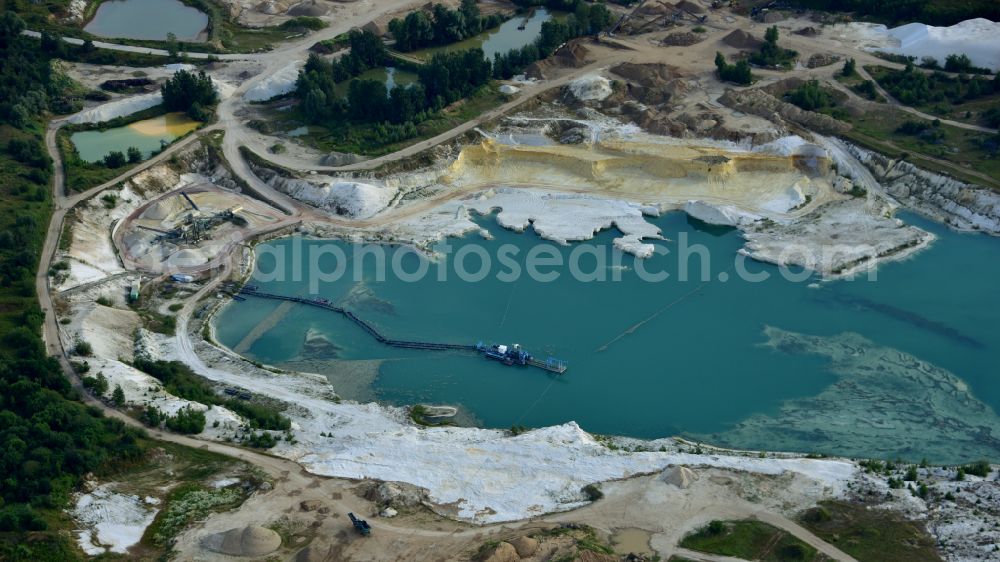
x=818 y=514
x=793 y=551
x=849 y=68
x=152 y=416
x=715 y=527
x=83 y=348
x=188 y=420
x=593 y=492
x=262 y=440
x=96 y=385
x=980 y=468
x=134 y=155
x=810 y=96
x=738 y=73
x=114 y=159
x=118 y=396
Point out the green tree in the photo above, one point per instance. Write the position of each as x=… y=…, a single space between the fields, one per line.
x=849 y=68
x=172 y=44
x=185 y=89
x=187 y=420
x=115 y=159
x=771 y=35
x=118 y=396
x=134 y=155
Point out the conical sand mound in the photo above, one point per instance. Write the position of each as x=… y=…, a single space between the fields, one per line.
x=246 y=541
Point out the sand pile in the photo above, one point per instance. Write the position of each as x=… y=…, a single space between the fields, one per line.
x=309 y=8
x=574 y=55
x=690 y=7
x=592 y=87
x=246 y=541
x=681 y=39
x=350 y=198
x=680 y=476
x=978 y=38
x=646 y=74
x=278 y=84
x=655 y=9
x=740 y=39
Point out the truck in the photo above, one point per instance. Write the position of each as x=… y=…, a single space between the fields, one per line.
x=360 y=525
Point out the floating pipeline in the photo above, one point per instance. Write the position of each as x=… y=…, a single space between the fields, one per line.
x=508 y=355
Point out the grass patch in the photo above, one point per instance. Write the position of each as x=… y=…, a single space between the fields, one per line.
x=944 y=96
x=363 y=138
x=968 y=151
x=870 y=535
x=749 y=540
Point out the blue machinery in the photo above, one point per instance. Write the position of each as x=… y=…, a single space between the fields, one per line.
x=508 y=355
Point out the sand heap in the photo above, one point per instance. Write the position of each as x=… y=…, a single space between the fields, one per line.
x=978 y=38
x=247 y=541
x=654 y=9
x=592 y=87
x=690 y=7
x=309 y=8
x=680 y=476
x=681 y=39
x=739 y=39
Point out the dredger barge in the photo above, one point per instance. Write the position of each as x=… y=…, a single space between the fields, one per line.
x=512 y=355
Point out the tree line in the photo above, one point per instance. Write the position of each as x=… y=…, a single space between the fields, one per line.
x=914 y=87
x=442 y=26
x=48 y=438
x=931 y=12
x=444 y=79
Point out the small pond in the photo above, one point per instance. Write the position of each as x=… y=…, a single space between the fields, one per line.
x=502 y=39
x=389 y=75
x=148 y=19
x=148 y=135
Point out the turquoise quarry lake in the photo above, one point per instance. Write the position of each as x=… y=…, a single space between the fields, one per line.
x=919 y=378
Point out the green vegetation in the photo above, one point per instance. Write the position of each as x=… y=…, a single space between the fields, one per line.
x=931 y=12
x=850 y=68
x=867 y=89
x=970 y=156
x=187 y=420
x=738 y=73
x=178 y=379
x=443 y=26
x=770 y=55
x=927 y=132
x=48 y=439
x=979 y=468
x=593 y=492
x=870 y=535
x=191 y=93
x=749 y=540
x=810 y=96
x=369 y=119
x=188 y=503
x=932 y=90
x=82 y=175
